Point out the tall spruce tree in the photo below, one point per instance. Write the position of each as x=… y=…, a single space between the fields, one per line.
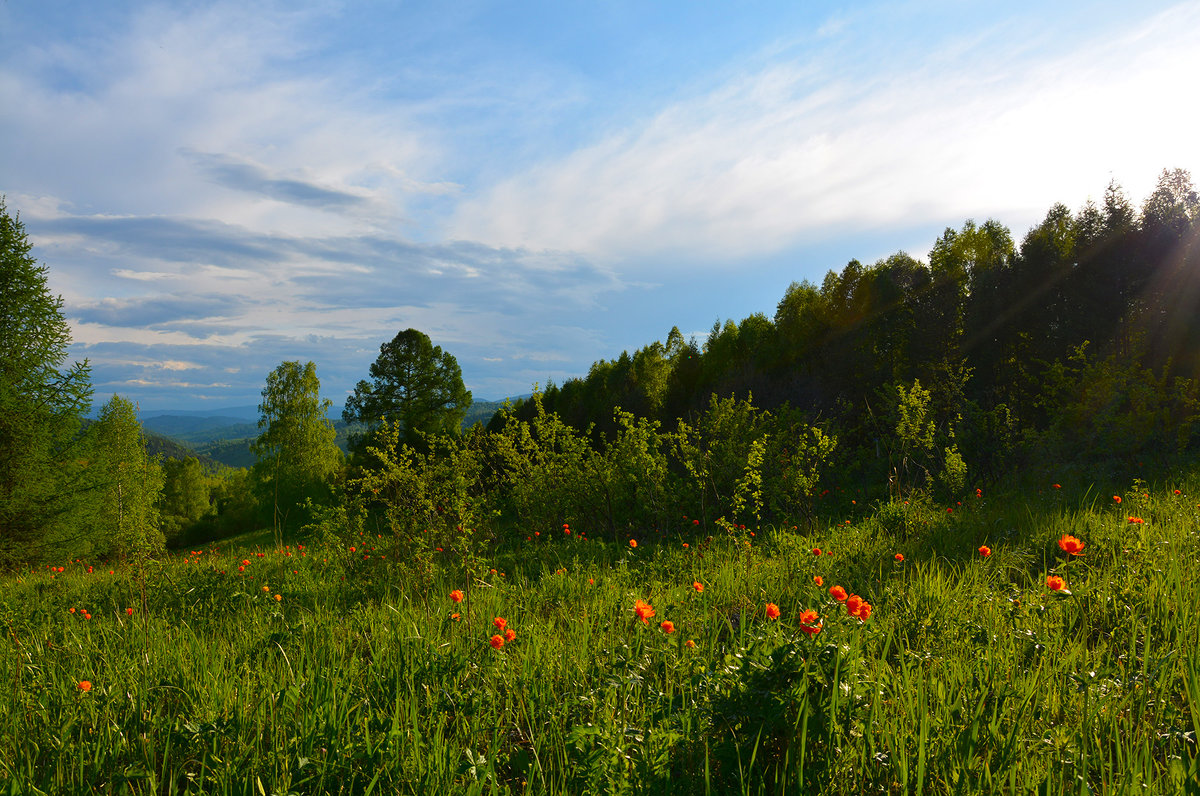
x=41 y=404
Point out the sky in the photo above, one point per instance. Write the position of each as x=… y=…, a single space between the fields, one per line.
x=218 y=187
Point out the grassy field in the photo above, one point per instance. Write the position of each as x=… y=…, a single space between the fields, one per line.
x=255 y=670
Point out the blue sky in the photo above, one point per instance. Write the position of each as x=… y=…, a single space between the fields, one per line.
x=219 y=187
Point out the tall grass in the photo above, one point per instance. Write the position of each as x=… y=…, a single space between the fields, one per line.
x=970 y=676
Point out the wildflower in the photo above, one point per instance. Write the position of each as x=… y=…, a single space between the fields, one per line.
x=668 y=626
x=1070 y=544
x=455 y=617
x=500 y=622
x=690 y=644
x=1136 y=521
x=1117 y=498
x=685 y=545
x=1177 y=492
x=817 y=579
x=644 y=611
x=633 y=542
x=510 y=635
x=985 y=551
x=591 y=581
x=1055 y=583
x=70 y=610
x=267 y=589
x=816 y=551
x=497 y=642
x=698 y=586
x=129 y=611
x=837 y=593
x=853 y=603
x=811 y=630
x=278 y=597
x=695 y=522
x=899 y=556
x=85 y=685
x=772 y=611
x=808 y=617
x=456 y=595
x=353 y=550
x=1058 y=486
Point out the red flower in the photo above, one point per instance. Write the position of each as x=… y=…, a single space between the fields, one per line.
x=837 y=593
x=1136 y=521
x=85 y=685
x=690 y=644
x=633 y=542
x=499 y=622
x=695 y=522
x=1117 y=498
x=668 y=626
x=129 y=611
x=510 y=635
x=1070 y=544
x=1055 y=583
x=985 y=551
x=497 y=642
x=772 y=611
x=644 y=611
x=455 y=617
x=809 y=617
x=698 y=586
x=899 y=556
x=817 y=579
x=816 y=551
x=456 y=595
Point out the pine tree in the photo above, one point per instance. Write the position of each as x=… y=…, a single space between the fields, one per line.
x=41 y=405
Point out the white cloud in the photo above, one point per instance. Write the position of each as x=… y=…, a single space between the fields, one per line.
x=791 y=153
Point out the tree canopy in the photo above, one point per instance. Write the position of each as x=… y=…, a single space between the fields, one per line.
x=41 y=403
x=415 y=383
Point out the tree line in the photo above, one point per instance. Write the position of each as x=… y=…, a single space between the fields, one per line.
x=900 y=380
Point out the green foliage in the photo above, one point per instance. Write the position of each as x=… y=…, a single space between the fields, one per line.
x=185 y=496
x=42 y=469
x=413 y=383
x=297 y=456
x=126 y=518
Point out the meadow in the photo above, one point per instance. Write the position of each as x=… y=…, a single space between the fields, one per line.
x=1043 y=640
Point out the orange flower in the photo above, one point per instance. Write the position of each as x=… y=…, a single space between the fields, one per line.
x=668 y=626
x=644 y=611
x=1070 y=544
x=698 y=586
x=1055 y=583
x=510 y=635
x=817 y=579
x=633 y=542
x=1136 y=521
x=497 y=642
x=690 y=644
x=811 y=630
x=809 y=617
x=985 y=551
x=816 y=551
x=278 y=597
x=1058 y=486
x=85 y=685
x=456 y=595
x=837 y=593
x=772 y=611
x=499 y=622
x=455 y=617
x=1117 y=498
x=899 y=556
x=853 y=603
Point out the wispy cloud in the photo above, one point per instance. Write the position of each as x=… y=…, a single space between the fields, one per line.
x=793 y=151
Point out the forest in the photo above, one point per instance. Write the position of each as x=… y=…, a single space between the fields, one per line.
x=930 y=528
x=1080 y=345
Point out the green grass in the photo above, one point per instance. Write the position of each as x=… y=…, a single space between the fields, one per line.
x=970 y=676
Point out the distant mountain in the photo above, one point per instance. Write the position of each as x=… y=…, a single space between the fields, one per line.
x=242 y=414
x=199 y=430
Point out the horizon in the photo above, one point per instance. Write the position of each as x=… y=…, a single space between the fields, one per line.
x=217 y=189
